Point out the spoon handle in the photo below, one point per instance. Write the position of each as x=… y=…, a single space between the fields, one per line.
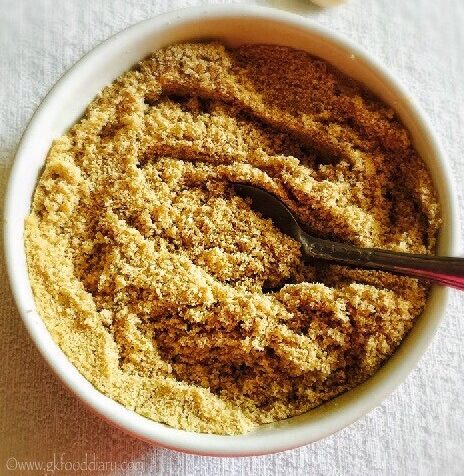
x=440 y=269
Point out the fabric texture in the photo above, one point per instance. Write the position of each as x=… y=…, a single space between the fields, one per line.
x=418 y=430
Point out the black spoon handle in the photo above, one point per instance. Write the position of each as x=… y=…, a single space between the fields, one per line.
x=440 y=269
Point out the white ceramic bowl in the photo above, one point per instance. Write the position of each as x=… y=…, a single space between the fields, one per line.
x=234 y=25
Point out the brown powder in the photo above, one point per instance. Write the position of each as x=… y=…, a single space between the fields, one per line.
x=149 y=272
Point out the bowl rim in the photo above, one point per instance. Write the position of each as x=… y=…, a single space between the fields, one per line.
x=255 y=443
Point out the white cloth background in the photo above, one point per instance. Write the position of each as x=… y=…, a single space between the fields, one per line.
x=419 y=429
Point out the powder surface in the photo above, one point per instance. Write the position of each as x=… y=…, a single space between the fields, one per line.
x=154 y=277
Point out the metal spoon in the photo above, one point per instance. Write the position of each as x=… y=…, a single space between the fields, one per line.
x=444 y=270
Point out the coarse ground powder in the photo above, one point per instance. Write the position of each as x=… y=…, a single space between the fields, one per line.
x=154 y=277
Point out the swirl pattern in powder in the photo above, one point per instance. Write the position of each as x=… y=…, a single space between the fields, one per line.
x=169 y=293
